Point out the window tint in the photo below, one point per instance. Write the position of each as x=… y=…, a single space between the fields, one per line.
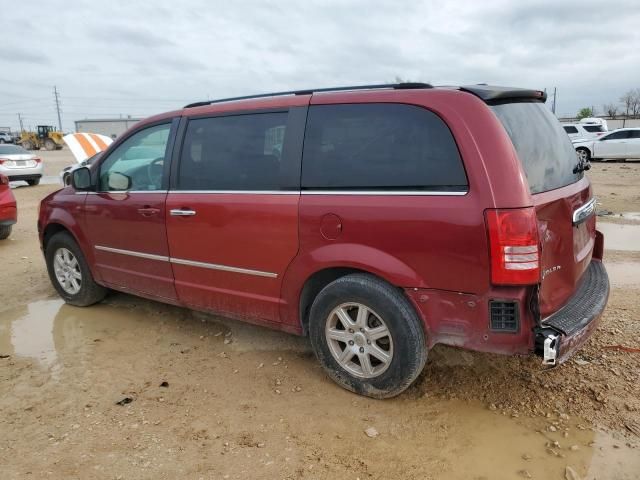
x=617 y=135
x=12 y=150
x=240 y=152
x=379 y=146
x=593 y=128
x=634 y=133
x=140 y=158
x=546 y=153
x=570 y=129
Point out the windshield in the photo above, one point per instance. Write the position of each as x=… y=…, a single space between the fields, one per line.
x=12 y=150
x=546 y=153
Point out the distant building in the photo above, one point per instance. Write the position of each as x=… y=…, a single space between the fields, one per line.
x=111 y=127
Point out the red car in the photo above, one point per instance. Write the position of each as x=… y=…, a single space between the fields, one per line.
x=378 y=220
x=8 y=208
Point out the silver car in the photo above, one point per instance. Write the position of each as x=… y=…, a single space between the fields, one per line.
x=20 y=164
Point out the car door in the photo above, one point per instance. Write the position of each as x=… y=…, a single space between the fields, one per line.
x=633 y=144
x=232 y=211
x=613 y=145
x=125 y=216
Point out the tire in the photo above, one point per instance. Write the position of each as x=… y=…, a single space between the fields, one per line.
x=404 y=341
x=27 y=145
x=583 y=154
x=5 y=231
x=49 y=144
x=1 y=141
x=33 y=182
x=88 y=291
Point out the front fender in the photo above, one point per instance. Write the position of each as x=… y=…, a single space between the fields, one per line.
x=65 y=209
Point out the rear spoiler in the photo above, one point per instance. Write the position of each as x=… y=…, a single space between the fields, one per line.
x=495 y=94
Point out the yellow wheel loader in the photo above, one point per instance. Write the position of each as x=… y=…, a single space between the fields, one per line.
x=46 y=137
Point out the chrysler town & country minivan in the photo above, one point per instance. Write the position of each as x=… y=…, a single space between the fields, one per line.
x=378 y=220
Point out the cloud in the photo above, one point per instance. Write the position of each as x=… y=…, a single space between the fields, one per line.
x=155 y=56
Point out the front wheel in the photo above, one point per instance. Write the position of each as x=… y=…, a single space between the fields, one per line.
x=49 y=144
x=367 y=336
x=69 y=272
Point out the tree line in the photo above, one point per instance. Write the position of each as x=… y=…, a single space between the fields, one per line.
x=629 y=106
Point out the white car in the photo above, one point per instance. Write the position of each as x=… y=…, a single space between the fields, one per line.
x=20 y=164
x=622 y=143
x=582 y=131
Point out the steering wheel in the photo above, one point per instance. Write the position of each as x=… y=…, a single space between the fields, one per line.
x=154 y=172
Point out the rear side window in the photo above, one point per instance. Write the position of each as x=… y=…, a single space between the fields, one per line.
x=240 y=152
x=593 y=128
x=634 y=133
x=379 y=147
x=570 y=129
x=622 y=134
x=543 y=147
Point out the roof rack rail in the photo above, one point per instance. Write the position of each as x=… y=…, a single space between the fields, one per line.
x=395 y=86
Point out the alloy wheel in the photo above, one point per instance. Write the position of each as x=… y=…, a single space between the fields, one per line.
x=359 y=340
x=67 y=270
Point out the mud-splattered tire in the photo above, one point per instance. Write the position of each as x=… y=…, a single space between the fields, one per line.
x=5 y=231
x=378 y=349
x=63 y=251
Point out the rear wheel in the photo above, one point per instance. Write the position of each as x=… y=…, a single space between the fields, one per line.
x=33 y=181
x=49 y=144
x=1 y=140
x=584 y=154
x=27 y=145
x=367 y=336
x=69 y=272
x=5 y=231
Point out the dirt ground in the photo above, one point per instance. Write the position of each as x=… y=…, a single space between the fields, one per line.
x=244 y=402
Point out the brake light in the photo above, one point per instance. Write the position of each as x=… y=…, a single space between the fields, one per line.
x=2 y=160
x=514 y=246
x=4 y=180
x=37 y=160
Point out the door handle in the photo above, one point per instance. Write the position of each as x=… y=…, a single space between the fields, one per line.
x=148 y=211
x=180 y=212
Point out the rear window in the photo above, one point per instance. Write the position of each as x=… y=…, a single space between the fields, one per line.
x=379 y=147
x=593 y=128
x=12 y=150
x=546 y=153
x=570 y=129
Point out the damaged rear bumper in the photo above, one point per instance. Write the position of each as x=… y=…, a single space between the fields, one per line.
x=562 y=333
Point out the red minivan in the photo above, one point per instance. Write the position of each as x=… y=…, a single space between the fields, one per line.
x=379 y=220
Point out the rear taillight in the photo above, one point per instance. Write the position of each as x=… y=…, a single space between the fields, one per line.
x=2 y=160
x=37 y=160
x=514 y=246
x=4 y=180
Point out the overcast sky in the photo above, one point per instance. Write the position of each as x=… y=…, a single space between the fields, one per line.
x=138 y=58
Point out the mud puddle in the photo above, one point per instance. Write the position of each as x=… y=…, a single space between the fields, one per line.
x=245 y=402
x=619 y=236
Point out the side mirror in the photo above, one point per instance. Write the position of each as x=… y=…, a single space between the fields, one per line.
x=81 y=179
x=118 y=181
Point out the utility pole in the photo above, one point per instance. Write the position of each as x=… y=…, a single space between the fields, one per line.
x=555 y=94
x=20 y=120
x=56 y=96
